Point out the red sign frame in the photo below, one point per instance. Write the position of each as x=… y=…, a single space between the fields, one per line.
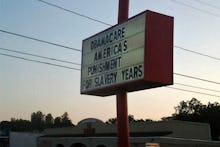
x=158 y=57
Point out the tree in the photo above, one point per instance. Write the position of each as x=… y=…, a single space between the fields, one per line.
x=57 y=122
x=66 y=122
x=131 y=119
x=194 y=110
x=111 y=121
x=189 y=107
x=37 y=120
x=5 y=125
x=49 y=121
x=20 y=125
x=63 y=121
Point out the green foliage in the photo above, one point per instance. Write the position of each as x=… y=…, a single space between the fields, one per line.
x=194 y=110
x=65 y=120
x=49 y=121
x=57 y=122
x=39 y=122
x=191 y=110
x=20 y=124
x=111 y=121
x=131 y=119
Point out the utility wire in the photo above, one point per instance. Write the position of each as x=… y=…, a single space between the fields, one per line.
x=93 y=19
x=27 y=37
x=80 y=51
x=74 y=12
x=191 y=77
x=54 y=59
x=205 y=80
x=47 y=63
x=43 y=57
x=195 y=8
x=192 y=86
x=207 y=4
x=175 y=46
x=194 y=92
x=198 y=53
x=37 y=61
x=39 y=40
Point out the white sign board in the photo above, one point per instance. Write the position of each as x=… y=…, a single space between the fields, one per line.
x=114 y=56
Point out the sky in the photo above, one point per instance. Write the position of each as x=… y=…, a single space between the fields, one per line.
x=27 y=87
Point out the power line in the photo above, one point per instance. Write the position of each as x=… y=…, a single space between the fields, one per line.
x=43 y=57
x=27 y=37
x=198 y=53
x=194 y=92
x=51 y=43
x=191 y=77
x=74 y=12
x=93 y=19
x=37 y=61
x=80 y=64
x=205 y=80
x=39 y=40
x=192 y=86
x=207 y=4
x=80 y=51
x=47 y=63
x=195 y=8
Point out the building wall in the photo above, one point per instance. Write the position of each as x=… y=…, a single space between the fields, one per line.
x=190 y=130
x=180 y=134
x=179 y=129
x=135 y=142
x=69 y=141
x=23 y=139
x=173 y=142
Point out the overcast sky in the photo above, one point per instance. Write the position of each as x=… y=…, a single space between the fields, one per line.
x=27 y=87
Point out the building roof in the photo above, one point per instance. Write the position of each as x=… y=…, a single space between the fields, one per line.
x=96 y=128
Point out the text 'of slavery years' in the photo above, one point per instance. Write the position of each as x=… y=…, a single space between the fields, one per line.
x=106 y=79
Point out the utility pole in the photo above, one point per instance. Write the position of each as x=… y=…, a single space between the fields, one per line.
x=122 y=108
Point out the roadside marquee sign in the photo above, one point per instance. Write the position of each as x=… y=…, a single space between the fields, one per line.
x=134 y=55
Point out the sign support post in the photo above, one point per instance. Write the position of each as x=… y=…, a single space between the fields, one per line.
x=122 y=109
x=135 y=54
x=122 y=120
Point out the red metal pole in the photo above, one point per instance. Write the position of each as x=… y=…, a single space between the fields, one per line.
x=122 y=120
x=122 y=108
x=123 y=11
